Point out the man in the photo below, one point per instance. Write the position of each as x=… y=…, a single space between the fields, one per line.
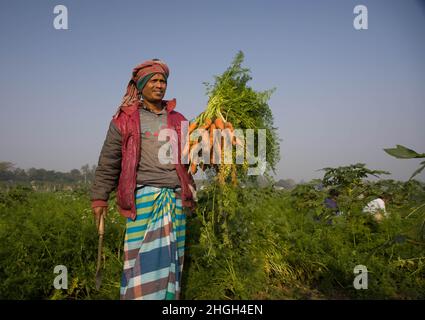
x=376 y=207
x=331 y=202
x=150 y=194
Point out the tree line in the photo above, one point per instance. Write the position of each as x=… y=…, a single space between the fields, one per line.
x=12 y=175
x=50 y=179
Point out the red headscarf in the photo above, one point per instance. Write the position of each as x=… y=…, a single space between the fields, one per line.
x=143 y=70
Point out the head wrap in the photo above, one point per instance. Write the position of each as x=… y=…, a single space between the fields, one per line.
x=140 y=76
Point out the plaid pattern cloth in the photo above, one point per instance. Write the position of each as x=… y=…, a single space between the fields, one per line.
x=154 y=246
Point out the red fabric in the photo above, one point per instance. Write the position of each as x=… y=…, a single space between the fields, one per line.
x=149 y=67
x=127 y=119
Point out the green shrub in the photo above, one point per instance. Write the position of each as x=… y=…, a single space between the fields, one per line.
x=242 y=243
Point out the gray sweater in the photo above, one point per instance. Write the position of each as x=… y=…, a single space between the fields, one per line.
x=149 y=172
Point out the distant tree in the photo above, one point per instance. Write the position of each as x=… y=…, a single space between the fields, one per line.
x=348 y=177
x=20 y=175
x=32 y=173
x=6 y=172
x=75 y=175
x=42 y=179
x=6 y=166
x=85 y=171
x=92 y=172
x=38 y=174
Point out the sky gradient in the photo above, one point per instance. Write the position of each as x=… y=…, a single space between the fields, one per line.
x=342 y=95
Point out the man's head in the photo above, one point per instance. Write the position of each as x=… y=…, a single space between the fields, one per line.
x=149 y=80
x=154 y=89
x=143 y=72
x=333 y=193
x=385 y=196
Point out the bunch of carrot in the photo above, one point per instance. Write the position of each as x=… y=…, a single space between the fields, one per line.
x=209 y=124
x=232 y=103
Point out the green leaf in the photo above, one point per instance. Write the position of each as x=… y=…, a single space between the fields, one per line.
x=402 y=152
x=419 y=170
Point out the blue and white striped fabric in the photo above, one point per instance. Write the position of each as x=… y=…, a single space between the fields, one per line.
x=154 y=246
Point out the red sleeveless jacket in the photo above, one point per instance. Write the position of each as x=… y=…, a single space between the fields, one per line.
x=128 y=122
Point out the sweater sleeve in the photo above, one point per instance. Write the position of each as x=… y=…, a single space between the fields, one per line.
x=108 y=168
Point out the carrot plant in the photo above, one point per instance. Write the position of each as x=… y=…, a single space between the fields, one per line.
x=233 y=104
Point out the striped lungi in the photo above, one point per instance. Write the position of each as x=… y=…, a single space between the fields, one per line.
x=154 y=246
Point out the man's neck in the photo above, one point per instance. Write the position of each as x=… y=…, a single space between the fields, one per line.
x=153 y=106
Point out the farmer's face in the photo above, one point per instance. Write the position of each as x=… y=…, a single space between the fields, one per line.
x=155 y=88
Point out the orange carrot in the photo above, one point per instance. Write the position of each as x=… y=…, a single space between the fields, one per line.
x=228 y=125
x=204 y=126
x=192 y=127
x=212 y=127
x=217 y=149
x=185 y=151
x=237 y=141
x=208 y=121
x=191 y=151
x=219 y=123
x=193 y=168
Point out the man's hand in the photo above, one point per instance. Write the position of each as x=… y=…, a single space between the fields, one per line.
x=98 y=211
x=188 y=211
x=378 y=217
x=194 y=195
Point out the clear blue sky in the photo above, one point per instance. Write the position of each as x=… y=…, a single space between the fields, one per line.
x=342 y=94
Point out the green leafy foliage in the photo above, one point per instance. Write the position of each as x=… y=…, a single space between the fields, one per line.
x=41 y=230
x=242 y=243
x=402 y=152
x=276 y=248
x=348 y=177
x=244 y=107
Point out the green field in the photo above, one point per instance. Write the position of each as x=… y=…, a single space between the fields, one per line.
x=242 y=243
